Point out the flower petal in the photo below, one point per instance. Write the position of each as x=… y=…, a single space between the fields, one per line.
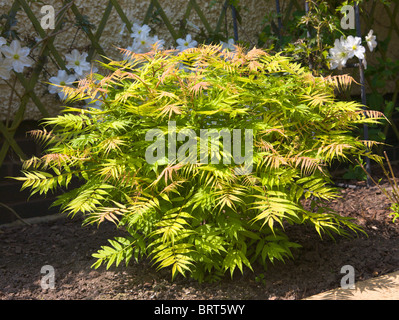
x=3 y=41
x=18 y=66
x=15 y=46
x=24 y=51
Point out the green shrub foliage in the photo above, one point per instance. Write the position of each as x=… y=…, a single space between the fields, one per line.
x=197 y=218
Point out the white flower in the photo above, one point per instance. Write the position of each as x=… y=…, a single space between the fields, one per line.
x=126 y=55
x=339 y=55
x=5 y=65
x=144 y=44
x=77 y=62
x=140 y=31
x=229 y=45
x=371 y=40
x=345 y=49
x=354 y=47
x=62 y=79
x=17 y=56
x=5 y=68
x=158 y=42
x=141 y=44
x=93 y=69
x=96 y=102
x=2 y=41
x=187 y=43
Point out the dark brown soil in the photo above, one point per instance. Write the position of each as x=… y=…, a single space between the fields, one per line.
x=67 y=246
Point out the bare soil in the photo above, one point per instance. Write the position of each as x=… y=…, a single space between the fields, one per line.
x=67 y=246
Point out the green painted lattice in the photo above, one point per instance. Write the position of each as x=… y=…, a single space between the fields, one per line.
x=49 y=51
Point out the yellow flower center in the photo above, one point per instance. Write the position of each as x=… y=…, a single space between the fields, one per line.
x=16 y=56
x=77 y=63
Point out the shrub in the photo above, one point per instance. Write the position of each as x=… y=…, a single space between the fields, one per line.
x=191 y=215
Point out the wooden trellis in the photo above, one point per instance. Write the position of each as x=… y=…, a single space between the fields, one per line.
x=50 y=51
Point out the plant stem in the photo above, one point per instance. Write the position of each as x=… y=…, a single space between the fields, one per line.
x=14 y=213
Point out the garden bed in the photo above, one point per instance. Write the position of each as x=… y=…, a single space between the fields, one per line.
x=67 y=246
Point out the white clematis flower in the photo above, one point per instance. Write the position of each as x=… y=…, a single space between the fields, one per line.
x=62 y=79
x=77 y=62
x=17 y=56
x=229 y=45
x=184 y=44
x=345 y=49
x=159 y=43
x=371 y=40
x=354 y=47
x=140 y=31
x=126 y=55
x=141 y=44
x=339 y=55
x=96 y=102
x=93 y=69
x=144 y=44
